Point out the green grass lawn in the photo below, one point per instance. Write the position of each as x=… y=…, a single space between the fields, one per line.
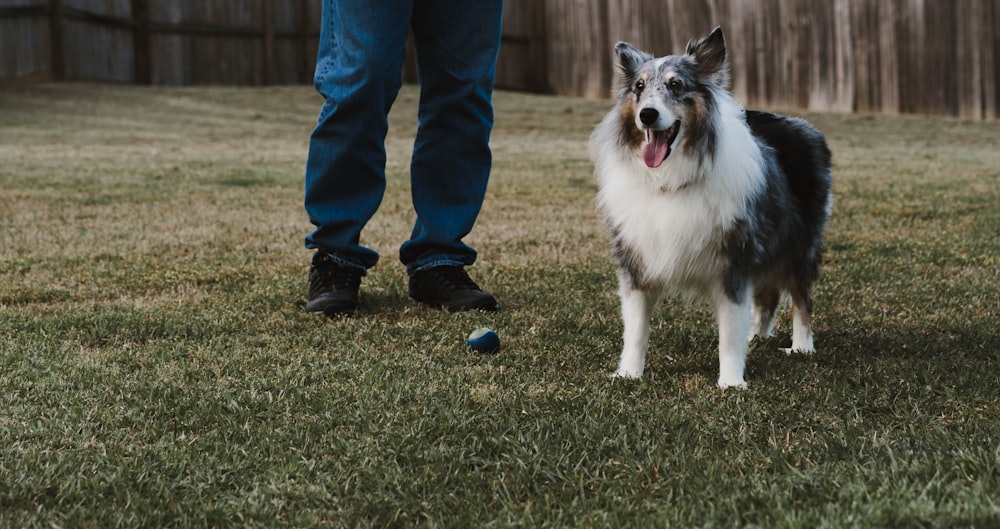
x=157 y=368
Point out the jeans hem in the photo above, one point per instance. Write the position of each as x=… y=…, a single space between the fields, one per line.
x=414 y=268
x=344 y=262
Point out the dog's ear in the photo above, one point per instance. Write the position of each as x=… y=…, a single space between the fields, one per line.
x=629 y=59
x=710 y=57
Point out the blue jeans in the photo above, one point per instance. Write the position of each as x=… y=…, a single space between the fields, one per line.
x=358 y=72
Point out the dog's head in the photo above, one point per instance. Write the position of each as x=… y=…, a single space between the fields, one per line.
x=668 y=102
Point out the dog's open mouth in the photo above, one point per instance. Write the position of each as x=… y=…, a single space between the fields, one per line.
x=658 y=144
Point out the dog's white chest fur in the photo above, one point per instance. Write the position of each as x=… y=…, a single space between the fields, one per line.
x=677 y=229
x=675 y=234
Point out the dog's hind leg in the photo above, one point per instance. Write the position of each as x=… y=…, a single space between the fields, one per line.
x=734 y=324
x=765 y=308
x=802 y=336
x=637 y=307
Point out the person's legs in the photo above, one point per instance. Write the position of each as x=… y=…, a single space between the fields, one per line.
x=358 y=72
x=457 y=44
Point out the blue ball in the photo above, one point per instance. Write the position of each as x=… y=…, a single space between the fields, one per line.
x=483 y=340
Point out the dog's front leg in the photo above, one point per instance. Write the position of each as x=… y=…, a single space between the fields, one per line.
x=637 y=307
x=734 y=324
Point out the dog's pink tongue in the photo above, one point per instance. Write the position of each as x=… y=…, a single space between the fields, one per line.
x=656 y=149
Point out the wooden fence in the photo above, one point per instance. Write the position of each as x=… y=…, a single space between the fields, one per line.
x=169 y=42
x=912 y=56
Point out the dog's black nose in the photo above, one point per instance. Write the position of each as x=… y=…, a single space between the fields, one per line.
x=648 y=116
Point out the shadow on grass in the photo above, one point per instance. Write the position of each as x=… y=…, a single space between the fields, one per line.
x=961 y=355
x=964 y=359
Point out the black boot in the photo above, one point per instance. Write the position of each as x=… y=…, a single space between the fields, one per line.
x=333 y=288
x=450 y=288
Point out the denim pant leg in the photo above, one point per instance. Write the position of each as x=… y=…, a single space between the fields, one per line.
x=358 y=72
x=457 y=45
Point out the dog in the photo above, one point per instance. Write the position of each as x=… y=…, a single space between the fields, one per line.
x=705 y=200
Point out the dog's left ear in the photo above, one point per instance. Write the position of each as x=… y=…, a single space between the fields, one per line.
x=710 y=57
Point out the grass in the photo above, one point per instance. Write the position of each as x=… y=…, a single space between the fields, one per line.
x=157 y=368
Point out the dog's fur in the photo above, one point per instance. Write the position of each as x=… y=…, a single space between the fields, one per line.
x=706 y=200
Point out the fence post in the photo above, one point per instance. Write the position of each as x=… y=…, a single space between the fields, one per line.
x=57 y=57
x=141 y=51
x=305 y=49
x=270 y=63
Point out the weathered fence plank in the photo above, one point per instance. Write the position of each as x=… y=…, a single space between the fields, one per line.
x=57 y=68
x=141 y=50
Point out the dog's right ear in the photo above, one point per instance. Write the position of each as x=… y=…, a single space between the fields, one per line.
x=629 y=59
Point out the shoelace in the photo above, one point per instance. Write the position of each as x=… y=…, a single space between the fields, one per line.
x=328 y=275
x=452 y=278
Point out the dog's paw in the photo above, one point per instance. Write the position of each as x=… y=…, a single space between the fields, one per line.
x=735 y=383
x=626 y=374
x=797 y=350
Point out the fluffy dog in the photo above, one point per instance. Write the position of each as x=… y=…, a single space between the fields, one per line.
x=707 y=201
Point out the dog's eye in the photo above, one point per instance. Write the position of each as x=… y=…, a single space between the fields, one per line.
x=639 y=86
x=675 y=85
